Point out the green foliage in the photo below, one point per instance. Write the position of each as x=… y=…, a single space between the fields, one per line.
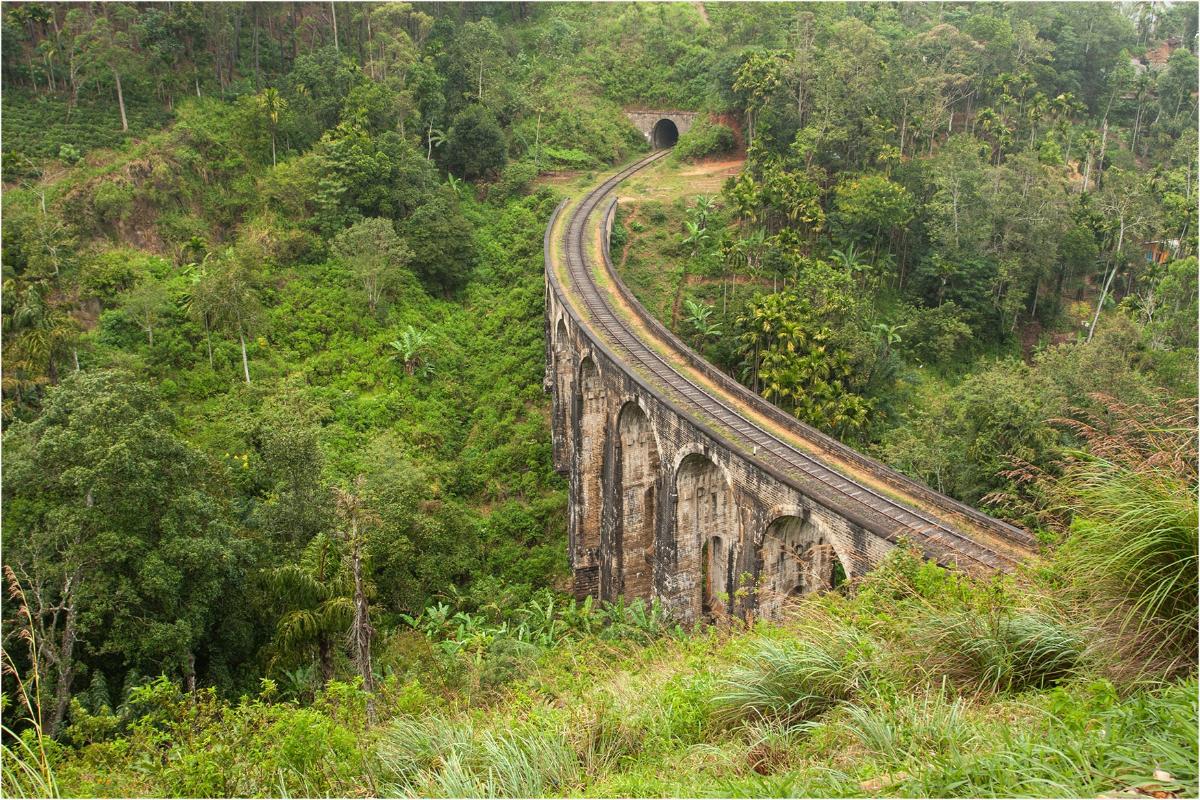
x=705 y=138
x=869 y=206
x=182 y=522
x=376 y=256
x=793 y=357
x=443 y=251
x=475 y=145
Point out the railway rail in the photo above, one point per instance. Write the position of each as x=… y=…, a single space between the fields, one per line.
x=894 y=506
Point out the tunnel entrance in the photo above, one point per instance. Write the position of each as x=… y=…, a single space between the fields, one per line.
x=665 y=134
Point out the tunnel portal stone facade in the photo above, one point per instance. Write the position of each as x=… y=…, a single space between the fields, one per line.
x=662 y=128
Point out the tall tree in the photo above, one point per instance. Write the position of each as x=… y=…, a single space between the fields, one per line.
x=1128 y=215
x=226 y=295
x=110 y=43
x=118 y=542
x=375 y=255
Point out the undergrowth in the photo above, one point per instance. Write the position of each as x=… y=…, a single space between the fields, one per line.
x=911 y=682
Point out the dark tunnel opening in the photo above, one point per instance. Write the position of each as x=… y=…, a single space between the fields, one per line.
x=665 y=134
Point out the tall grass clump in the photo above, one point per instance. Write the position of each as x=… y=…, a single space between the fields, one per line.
x=793 y=680
x=440 y=758
x=26 y=768
x=1131 y=548
x=1001 y=650
x=1132 y=552
x=1079 y=747
x=910 y=728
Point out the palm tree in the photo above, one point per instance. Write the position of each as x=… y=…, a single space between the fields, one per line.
x=436 y=138
x=42 y=333
x=272 y=104
x=319 y=606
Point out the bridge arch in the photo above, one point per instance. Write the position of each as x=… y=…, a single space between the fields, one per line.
x=706 y=534
x=797 y=556
x=637 y=470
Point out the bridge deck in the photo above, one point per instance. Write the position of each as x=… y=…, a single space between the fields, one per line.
x=848 y=483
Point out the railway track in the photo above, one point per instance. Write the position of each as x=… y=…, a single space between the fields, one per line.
x=975 y=542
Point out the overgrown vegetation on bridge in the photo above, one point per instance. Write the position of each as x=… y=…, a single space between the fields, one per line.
x=255 y=251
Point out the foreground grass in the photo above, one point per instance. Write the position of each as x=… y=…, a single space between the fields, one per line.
x=918 y=683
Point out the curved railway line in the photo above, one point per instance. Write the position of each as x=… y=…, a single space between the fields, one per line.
x=848 y=483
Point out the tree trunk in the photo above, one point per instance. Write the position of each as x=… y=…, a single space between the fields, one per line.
x=361 y=633
x=66 y=668
x=333 y=13
x=1103 y=149
x=325 y=659
x=208 y=341
x=1108 y=282
x=272 y=148
x=245 y=361
x=121 y=102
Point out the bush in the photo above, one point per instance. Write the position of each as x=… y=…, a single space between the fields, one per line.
x=514 y=180
x=704 y=138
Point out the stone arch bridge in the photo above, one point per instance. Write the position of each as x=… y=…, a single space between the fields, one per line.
x=688 y=488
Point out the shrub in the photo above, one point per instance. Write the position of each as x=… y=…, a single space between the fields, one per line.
x=567 y=158
x=514 y=180
x=704 y=138
x=112 y=200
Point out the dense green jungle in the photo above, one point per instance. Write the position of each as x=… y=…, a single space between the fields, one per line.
x=279 y=510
